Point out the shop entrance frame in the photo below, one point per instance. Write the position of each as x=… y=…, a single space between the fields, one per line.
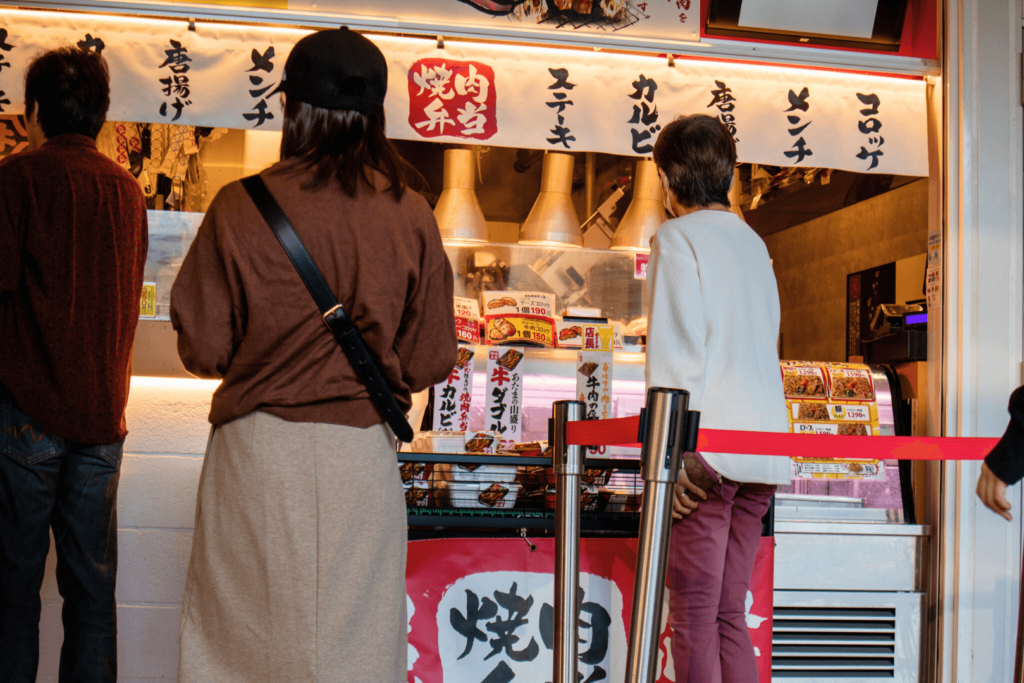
x=976 y=148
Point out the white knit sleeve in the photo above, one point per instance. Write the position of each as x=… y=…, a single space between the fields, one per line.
x=676 y=325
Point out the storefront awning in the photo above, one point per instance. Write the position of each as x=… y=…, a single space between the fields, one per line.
x=475 y=93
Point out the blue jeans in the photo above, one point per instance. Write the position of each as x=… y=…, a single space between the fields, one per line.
x=47 y=481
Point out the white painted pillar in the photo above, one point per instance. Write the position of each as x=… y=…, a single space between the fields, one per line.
x=982 y=328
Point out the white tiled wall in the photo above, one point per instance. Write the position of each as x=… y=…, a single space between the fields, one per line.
x=156 y=509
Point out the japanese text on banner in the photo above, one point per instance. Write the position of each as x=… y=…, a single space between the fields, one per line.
x=498 y=626
x=221 y=75
x=448 y=97
x=594 y=373
x=503 y=411
x=484 y=612
x=5 y=48
x=453 y=398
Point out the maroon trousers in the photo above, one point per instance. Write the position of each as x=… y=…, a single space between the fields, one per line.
x=711 y=559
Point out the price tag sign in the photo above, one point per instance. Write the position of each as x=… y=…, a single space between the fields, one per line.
x=814 y=468
x=520 y=317
x=147 y=304
x=598 y=337
x=594 y=372
x=467 y=320
x=640 y=266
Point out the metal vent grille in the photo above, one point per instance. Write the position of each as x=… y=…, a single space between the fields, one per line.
x=833 y=643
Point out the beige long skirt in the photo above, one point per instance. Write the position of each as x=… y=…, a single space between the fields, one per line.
x=298 y=560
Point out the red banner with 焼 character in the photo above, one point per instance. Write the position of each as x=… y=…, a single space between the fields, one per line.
x=483 y=610
x=450 y=97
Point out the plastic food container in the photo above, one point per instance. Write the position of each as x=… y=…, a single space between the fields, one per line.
x=452 y=442
x=620 y=501
x=595 y=477
x=589 y=498
x=482 y=496
x=414 y=471
x=534 y=476
x=550 y=498
x=417 y=493
x=532 y=498
x=590 y=477
x=439 y=442
x=494 y=474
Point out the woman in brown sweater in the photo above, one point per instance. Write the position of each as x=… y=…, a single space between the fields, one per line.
x=298 y=562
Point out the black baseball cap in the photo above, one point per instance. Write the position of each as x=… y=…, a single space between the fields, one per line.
x=337 y=69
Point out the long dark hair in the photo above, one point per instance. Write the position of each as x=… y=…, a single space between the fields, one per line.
x=343 y=145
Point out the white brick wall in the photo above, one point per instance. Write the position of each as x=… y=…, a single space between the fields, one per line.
x=156 y=509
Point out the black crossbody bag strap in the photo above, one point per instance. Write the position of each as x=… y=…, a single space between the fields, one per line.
x=334 y=315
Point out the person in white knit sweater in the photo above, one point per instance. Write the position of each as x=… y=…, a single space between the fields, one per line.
x=713 y=322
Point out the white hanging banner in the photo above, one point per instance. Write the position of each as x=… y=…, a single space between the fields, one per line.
x=514 y=96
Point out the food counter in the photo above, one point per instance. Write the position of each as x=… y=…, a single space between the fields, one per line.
x=833 y=515
x=855 y=509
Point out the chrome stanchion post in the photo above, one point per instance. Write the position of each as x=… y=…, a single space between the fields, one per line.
x=568 y=464
x=664 y=432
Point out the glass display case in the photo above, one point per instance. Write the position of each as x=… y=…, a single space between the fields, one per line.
x=607 y=284
x=611 y=283
x=597 y=279
x=592 y=278
x=170 y=236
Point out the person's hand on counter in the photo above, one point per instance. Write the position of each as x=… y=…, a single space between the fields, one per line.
x=992 y=492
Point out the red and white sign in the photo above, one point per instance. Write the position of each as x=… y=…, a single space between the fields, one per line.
x=467 y=330
x=482 y=609
x=640 y=262
x=503 y=412
x=594 y=374
x=453 y=397
x=467 y=320
x=453 y=98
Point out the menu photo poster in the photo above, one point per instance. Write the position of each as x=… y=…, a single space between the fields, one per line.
x=832 y=398
x=503 y=412
x=594 y=375
x=520 y=318
x=453 y=397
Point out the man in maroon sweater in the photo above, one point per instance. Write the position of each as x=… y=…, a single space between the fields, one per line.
x=73 y=240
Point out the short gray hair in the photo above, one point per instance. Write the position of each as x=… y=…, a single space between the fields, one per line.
x=698 y=156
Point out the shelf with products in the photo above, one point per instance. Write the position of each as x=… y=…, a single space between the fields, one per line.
x=513 y=492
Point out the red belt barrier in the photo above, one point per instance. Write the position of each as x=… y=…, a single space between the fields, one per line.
x=623 y=432
x=620 y=431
